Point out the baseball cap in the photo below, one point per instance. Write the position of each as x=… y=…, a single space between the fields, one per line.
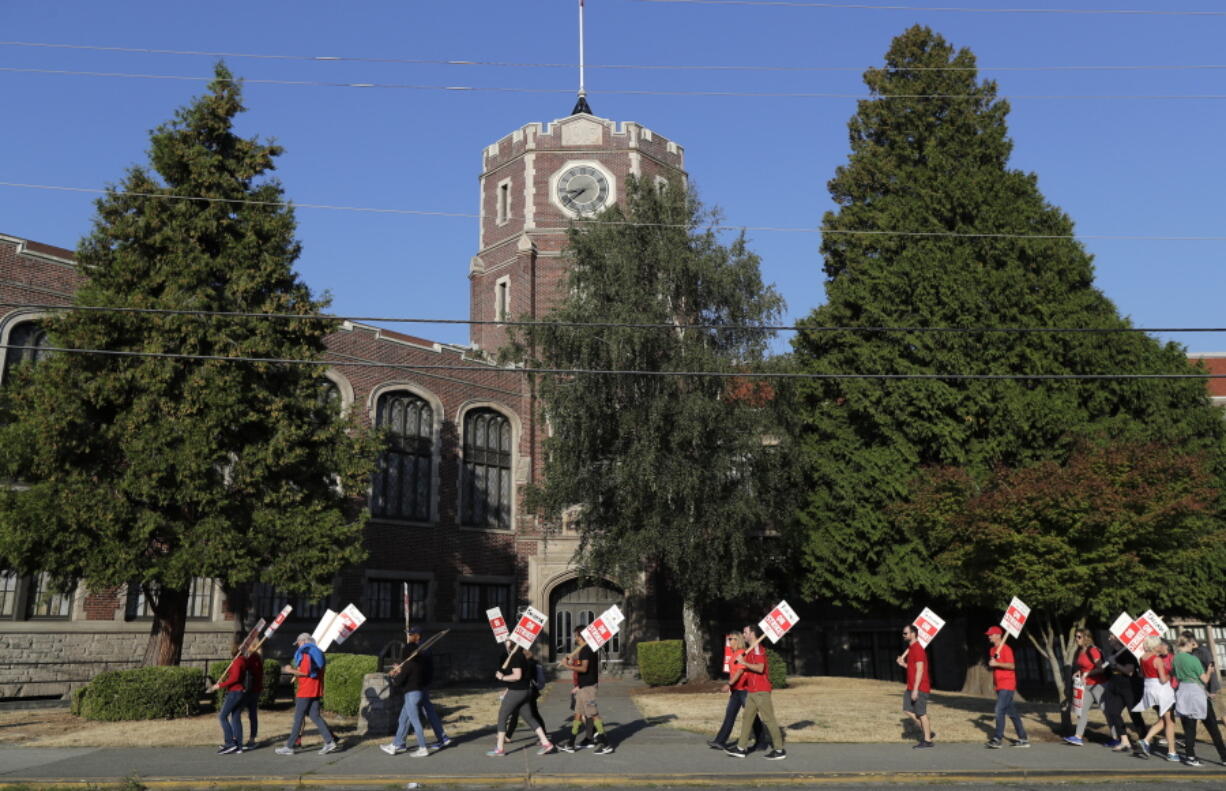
x=303 y=636
x=415 y=630
x=995 y=630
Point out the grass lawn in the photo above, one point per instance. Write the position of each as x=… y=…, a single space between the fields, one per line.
x=835 y=709
x=463 y=709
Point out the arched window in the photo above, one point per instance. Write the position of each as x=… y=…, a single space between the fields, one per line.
x=402 y=481
x=486 y=499
x=29 y=334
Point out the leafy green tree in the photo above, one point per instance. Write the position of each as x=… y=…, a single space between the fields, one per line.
x=934 y=229
x=1117 y=526
x=156 y=470
x=677 y=474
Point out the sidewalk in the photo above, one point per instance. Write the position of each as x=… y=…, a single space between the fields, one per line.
x=648 y=753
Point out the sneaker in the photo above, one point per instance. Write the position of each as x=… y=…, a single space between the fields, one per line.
x=330 y=747
x=716 y=744
x=546 y=749
x=922 y=745
x=776 y=755
x=496 y=753
x=1022 y=743
x=604 y=748
x=228 y=749
x=250 y=745
x=1172 y=757
x=392 y=749
x=444 y=742
x=994 y=744
x=284 y=751
x=1112 y=744
x=567 y=746
x=420 y=752
x=1075 y=741
x=1192 y=760
x=735 y=752
x=1144 y=745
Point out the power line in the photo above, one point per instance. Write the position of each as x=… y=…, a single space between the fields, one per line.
x=628 y=223
x=955 y=9
x=610 y=66
x=615 y=91
x=615 y=372
x=606 y=324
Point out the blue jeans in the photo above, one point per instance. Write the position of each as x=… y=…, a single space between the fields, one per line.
x=231 y=724
x=736 y=702
x=303 y=708
x=409 y=715
x=436 y=723
x=1005 y=707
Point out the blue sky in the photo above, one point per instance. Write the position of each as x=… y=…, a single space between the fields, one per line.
x=1119 y=166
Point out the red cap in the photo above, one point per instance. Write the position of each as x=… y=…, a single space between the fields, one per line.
x=995 y=630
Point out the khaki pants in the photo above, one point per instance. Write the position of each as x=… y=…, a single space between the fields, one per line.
x=758 y=704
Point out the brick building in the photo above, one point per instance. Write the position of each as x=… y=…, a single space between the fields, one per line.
x=446 y=511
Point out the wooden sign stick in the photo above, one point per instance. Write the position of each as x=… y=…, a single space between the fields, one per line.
x=509 y=655
x=433 y=639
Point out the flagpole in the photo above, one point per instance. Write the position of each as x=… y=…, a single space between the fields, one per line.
x=581 y=105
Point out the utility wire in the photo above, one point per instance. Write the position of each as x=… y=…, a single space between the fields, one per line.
x=955 y=9
x=603 y=324
x=610 y=372
x=614 y=91
x=611 y=66
x=628 y=223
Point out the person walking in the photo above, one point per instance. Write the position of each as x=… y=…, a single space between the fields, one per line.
x=737 y=689
x=536 y=672
x=233 y=683
x=1201 y=652
x=1087 y=666
x=1119 y=696
x=513 y=673
x=308 y=671
x=1158 y=694
x=1192 y=700
x=919 y=685
x=586 y=665
x=758 y=702
x=251 y=698
x=413 y=639
x=407 y=680
x=1004 y=679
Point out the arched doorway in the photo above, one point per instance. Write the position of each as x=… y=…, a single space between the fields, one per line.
x=573 y=603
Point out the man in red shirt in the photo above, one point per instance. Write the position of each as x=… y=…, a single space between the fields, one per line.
x=915 y=698
x=758 y=698
x=1004 y=677
x=308 y=669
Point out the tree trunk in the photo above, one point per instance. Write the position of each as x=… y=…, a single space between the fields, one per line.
x=165 y=645
x=697 y=652
x=1058 y=648
x=979 y=680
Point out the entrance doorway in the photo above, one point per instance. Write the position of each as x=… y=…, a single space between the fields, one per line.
x=572 y=604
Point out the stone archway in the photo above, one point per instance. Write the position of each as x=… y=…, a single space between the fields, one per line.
x=577 y=603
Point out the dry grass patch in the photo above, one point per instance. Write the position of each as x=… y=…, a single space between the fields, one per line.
x=834 y=709
x=464 y=710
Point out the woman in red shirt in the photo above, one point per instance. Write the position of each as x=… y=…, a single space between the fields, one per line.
x=1087 y=665
x=1158 y=694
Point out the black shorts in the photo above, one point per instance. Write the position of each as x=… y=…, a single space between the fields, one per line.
x=918 y=707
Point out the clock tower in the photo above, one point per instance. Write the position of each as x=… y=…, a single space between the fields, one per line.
x=534 y=183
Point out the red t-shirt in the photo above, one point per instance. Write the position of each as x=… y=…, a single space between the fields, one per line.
x=1149 y=666
x=1087 y=662
x=309 y=687
x=741 y=683
x=758 y=682
x=1003 y=679
x=915 y=655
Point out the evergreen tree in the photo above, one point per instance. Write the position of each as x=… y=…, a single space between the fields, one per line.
x=152 y=470
x=934 y=229
x=671 y=473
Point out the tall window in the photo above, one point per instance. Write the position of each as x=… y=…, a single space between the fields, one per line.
x=267 y=601
x=31 y=597
x=476 y=598
x=486 y=499
x=401 y=487
x=29 y=334
x=384 y=600
x=199 y=601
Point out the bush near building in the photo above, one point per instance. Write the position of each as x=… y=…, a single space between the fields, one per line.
x=145 y=693
x=661 y=662
x=343 y=676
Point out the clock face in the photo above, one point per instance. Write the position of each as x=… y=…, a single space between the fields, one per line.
x=583 y=189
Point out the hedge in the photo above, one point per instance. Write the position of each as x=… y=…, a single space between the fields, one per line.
x=146 y=693
x=777 y=667
x=343 y=676
x=661 y=662
x=272 y=677
x=76 y=699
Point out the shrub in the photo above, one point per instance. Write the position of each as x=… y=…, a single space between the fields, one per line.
x=76 y=699
x=272 y=677
x=146 y=693
x=777 y=667
x=661 y=662
x=343 y=675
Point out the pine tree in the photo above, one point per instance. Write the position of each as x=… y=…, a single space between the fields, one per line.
x=674 y=474
x=153 y=471
x=934 y=229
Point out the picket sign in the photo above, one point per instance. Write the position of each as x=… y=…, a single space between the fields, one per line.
x=407 y=603
x=498 y=624
x=529 y=627
x=248 y=641
x=1133 y=633
x=601 y=630
x=276 y=622
x=1079 y=695
x=927 y=624
x=778 y=621
x=321 y=628
x=1125 y=630
x=1015 y=617
x=335 y=627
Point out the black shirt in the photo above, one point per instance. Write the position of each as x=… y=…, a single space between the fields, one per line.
x=409 y=678
x=592 y=674
x=517 y=660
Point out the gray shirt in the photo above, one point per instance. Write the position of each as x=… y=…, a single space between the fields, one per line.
x=1215 y=681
